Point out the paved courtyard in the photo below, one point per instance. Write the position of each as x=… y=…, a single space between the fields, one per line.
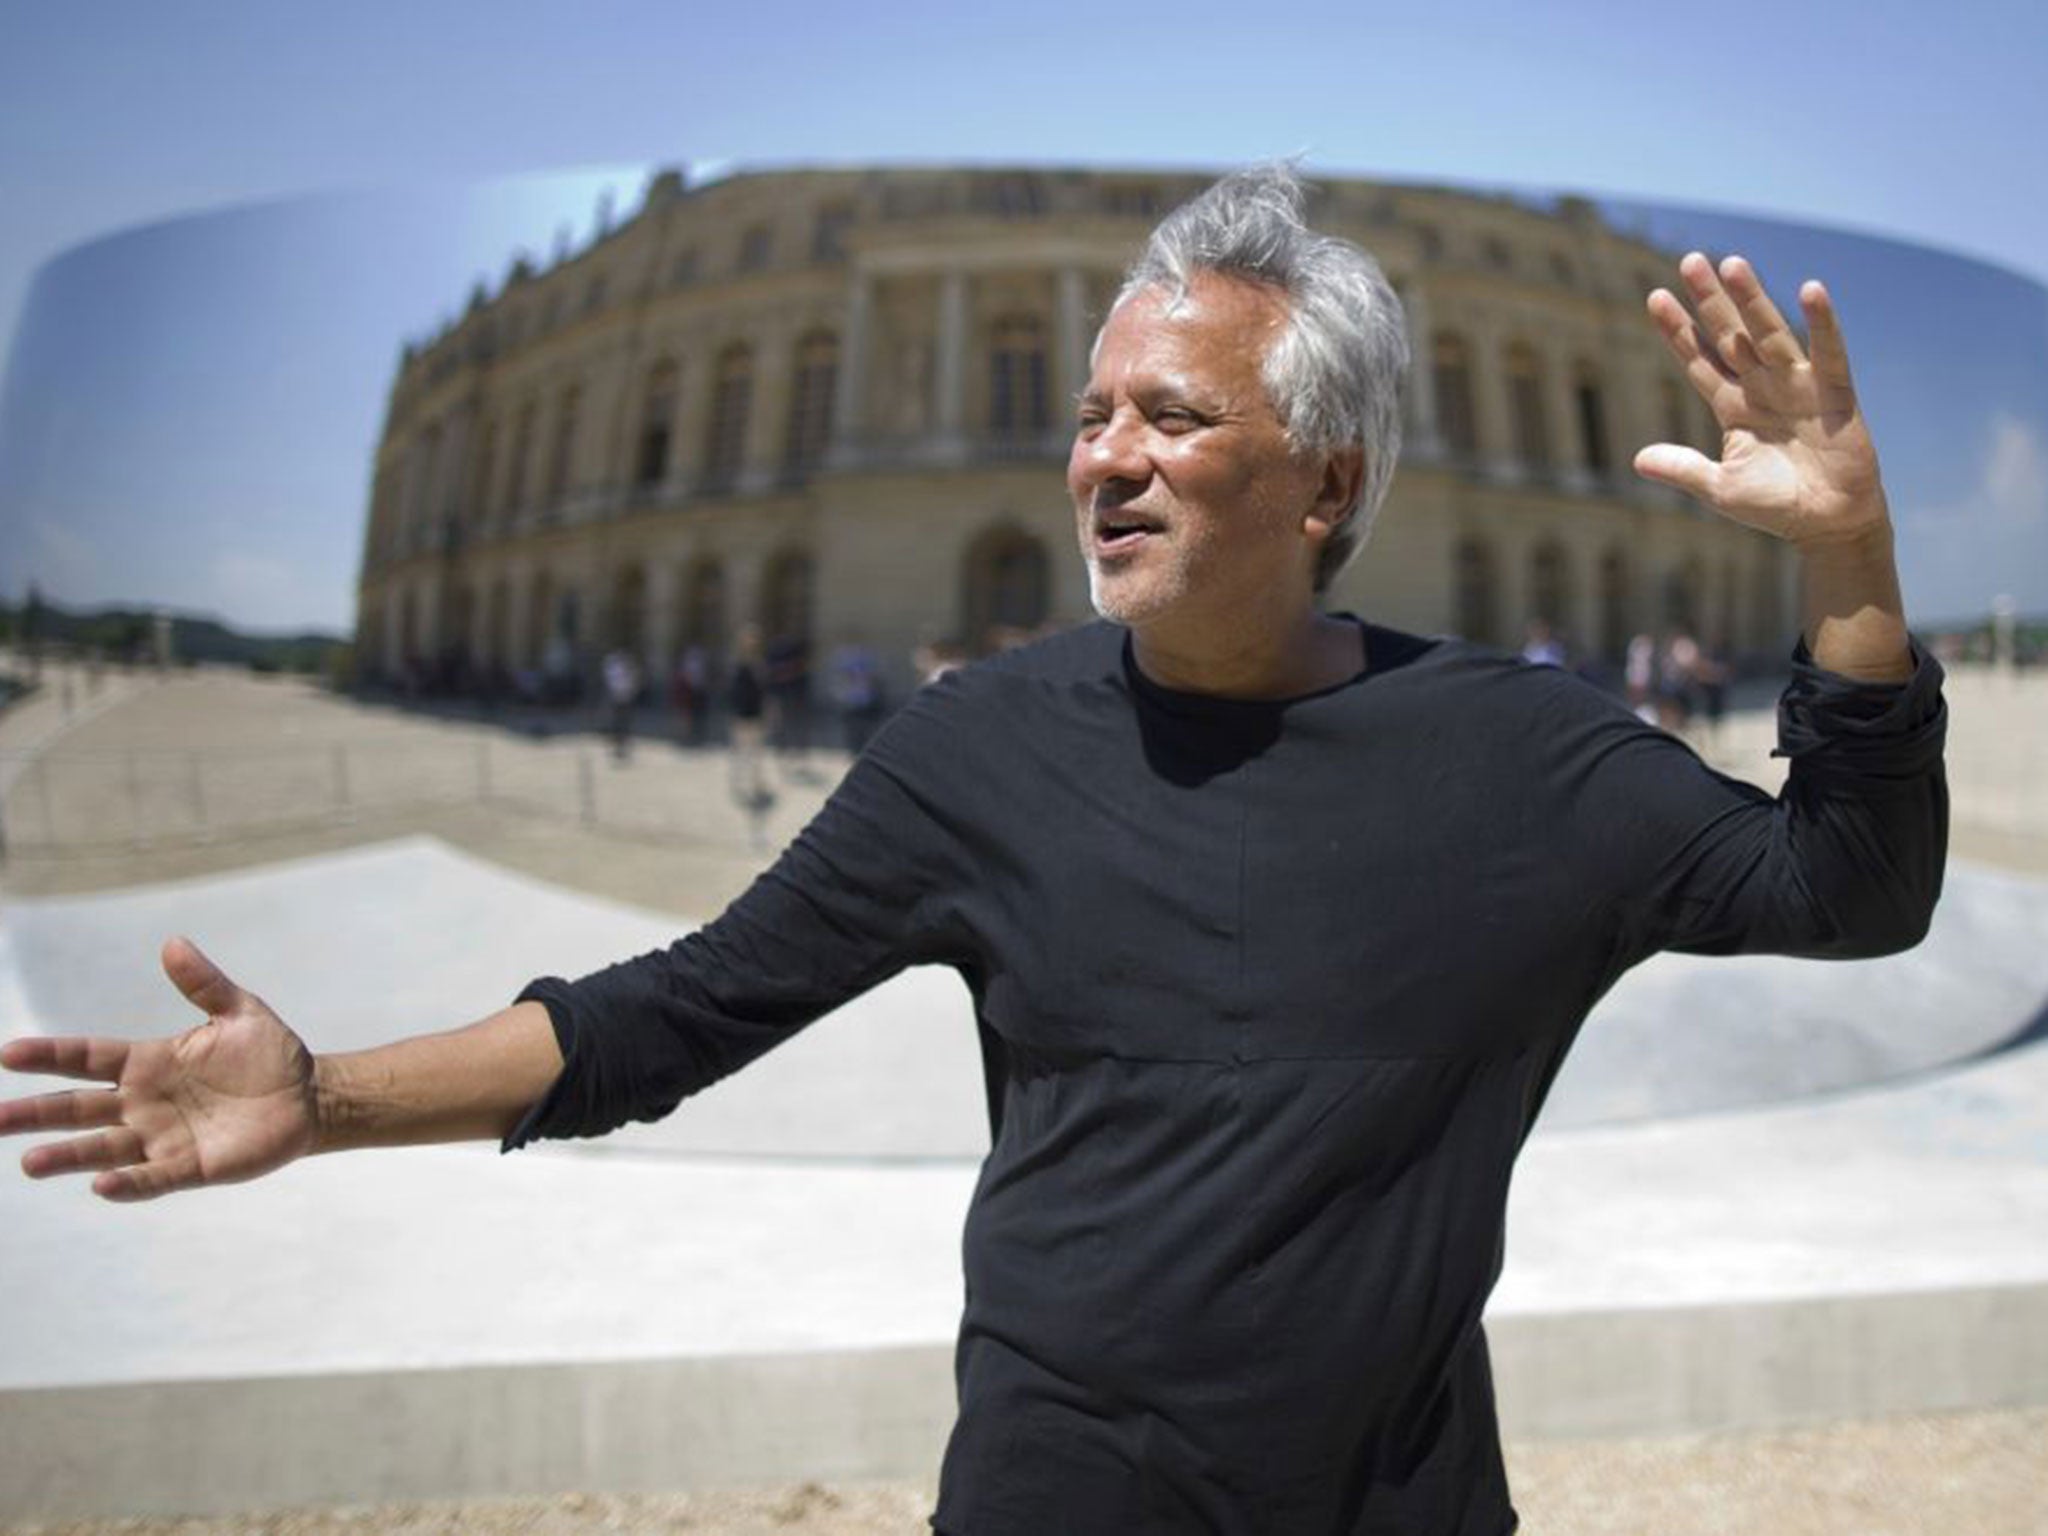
x=1880 y=1137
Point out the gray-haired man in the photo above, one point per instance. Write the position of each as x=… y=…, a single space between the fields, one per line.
x=1277 y=924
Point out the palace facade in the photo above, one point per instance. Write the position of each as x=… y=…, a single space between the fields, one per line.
x=836 y=403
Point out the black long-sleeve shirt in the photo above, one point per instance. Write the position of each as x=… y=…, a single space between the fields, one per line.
x=1269 y=995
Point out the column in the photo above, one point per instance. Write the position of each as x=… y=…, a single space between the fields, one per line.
x=849 y=385
x=1561 y=404
x=1493 y=413
x=1424 y=440
x=768 y=412
x=1072 y=341
x=950 y=381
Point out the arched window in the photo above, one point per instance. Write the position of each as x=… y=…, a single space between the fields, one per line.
x=1016 y=393
x=497 y=611
x=1550 y=586
x=561 y=466
x=732 y=397
x=1592 y=408
x=627 y=628
x=1007 y=585
x=1525 y=406
x=704 y=607
x=1452 y=364
x=1472 y=580
x=786 y=597
x=1682 y=595
x=540 y=619
x=810 y=404
x=657 y=425
x=1616 y=626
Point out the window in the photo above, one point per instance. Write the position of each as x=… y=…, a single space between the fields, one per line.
x=522 y=457
x=657 y=423
x=1451 y=363
x=810 y=404
x=479 y=491
x=1430 y=240
x=1525 y=405
x=1673 y=401
x=828 y=238
x=1008 y=586
x=786 y=597
x=683 y=271
x=1550 y=593
x=1495 y=253
x=562 y=465
x=1616 y=629
x=1592 y=409
x=1561 y=268
x=1472 y=582
x=756 y=246
x=725 y=442
x=1016 y=397
x=704 y=607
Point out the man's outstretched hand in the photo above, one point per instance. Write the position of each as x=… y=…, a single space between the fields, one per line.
x=228 y=1099
x=1796 y=457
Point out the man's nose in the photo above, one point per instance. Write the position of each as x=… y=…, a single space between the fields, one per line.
x=1116 y=451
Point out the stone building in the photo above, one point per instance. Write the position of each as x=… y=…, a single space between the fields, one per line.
x=837 y=403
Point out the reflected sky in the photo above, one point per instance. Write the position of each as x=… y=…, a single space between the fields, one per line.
x=190 y=411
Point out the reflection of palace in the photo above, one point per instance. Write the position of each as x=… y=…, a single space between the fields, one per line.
x=835 y=403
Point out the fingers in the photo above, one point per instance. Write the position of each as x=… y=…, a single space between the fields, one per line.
x=115 y=1148
x=1720 y=319
x=99 y=1061
x=1824 y=335
x=72 y=1111
x=1686 y=469
x=1766 y=328
x=1705 y=371
x=205 y=985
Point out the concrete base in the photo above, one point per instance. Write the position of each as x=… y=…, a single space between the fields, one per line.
x=703 y=1303
x=629 y=1426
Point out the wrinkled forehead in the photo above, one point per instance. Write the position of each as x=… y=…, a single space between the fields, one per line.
x=1214 y=321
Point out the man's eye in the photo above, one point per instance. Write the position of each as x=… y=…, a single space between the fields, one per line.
x=1177 y=418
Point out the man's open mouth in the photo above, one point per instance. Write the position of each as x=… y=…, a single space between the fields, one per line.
x=1117 y=532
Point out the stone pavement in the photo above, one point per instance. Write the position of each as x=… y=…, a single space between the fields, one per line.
x=772 y=1277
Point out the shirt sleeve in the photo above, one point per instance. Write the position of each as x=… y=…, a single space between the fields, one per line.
x=852 y=901
x=1846 y=862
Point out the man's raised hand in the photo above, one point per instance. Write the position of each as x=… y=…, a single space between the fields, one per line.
x=1796 y=458
x=229 y=1099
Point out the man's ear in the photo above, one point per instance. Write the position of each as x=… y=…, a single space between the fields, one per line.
x=1343 y=475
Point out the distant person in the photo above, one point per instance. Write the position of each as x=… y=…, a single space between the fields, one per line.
x=1541 y=647
x=1678 y=666
x=1278 y=923
x=746 y=702
x=788 y=680
x=621 y=695
x=856 y=693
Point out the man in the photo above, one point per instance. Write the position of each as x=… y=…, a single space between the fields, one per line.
x=1278 y=924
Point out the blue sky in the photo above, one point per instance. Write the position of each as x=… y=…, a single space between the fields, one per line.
x=1879 y=117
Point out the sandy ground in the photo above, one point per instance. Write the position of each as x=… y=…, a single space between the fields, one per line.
x=1970 y=1475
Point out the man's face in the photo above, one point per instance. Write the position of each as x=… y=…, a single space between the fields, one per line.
x=1188 y=500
